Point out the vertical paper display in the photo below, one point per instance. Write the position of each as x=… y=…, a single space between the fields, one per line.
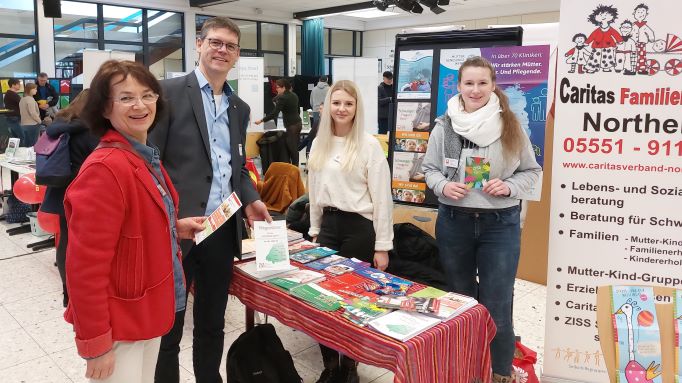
x=678 y=336
x=415 y=74
x=272 y=250
x=636 y=334
x=413 y=116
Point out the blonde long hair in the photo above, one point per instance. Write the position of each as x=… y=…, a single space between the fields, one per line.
x=325 y=133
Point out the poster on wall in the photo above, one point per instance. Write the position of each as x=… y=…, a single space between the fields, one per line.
x=522 y=74
x=415 y=74
x=616 y=185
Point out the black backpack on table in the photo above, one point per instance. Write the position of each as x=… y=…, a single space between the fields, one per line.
x=258 y=356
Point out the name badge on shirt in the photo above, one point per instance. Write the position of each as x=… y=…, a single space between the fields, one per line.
x=240 y=150
x=451 y=162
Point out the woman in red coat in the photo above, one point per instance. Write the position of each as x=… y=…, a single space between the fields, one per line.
x=124 y=269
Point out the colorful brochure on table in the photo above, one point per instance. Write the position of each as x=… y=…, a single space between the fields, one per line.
x=361 y=311
x=636 y=333
x=403 y=325
x=310 y=255
x=293 y=278
x=317 y=296
x=219 y=217
x=272 y=245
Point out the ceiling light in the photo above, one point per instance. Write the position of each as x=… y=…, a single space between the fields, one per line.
x=381 y=5
x=444 y=2
x=369 y=14
x=409 y=6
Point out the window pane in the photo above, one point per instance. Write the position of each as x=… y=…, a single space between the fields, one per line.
x=249 y=34
x=79 y=20
x=272 y=37
x=274 y=64
x=17 y=17
x=164 y=59
x=298 y=39
x=17 y=57
x=358 y=43
x=122 y=23
x=69 y=57
x=342 y=42
x=325 y=37
x=164 y=27
x=137 y=49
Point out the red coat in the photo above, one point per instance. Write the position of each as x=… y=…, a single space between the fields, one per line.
x=118 y=265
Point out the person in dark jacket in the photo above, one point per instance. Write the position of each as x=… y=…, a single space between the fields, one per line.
x=385 y=98
x=11 y=101
x=287 y=103
x=81 y=144
x=47 y=95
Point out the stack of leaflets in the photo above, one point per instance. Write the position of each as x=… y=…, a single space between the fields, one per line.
x=301 y=245
x=390 y=284
x=294 y=236
x=403 y=325
x=346 y=266
x=294 y=278
x=317 y=296
x=360 y=311
x=451 y=304
x=248 y=248
x=310 y=255
x=351 y=285
x=249 y=269
x=418 y=304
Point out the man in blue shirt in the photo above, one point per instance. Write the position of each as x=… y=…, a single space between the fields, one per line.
x=201 y=139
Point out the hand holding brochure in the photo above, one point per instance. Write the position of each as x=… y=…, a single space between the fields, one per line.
x=219 y=217
x=272 y=246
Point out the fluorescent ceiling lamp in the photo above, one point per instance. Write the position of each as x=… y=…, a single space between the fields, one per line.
x=369 y=14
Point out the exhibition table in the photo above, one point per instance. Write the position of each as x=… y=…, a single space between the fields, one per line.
x=454 y=351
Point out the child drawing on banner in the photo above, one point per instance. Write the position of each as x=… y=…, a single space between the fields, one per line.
x=579 y=55
x=642 y=34
x=603 y=39
x=626 y=60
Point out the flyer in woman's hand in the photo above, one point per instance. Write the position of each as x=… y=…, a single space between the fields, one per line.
x=219 y=217
x=272 y=245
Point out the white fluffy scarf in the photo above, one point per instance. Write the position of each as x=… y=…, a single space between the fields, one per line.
x=482 y=127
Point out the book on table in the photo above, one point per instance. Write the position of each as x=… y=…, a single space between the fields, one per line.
x=390 y=284
x=403 y=325
x=361 y=311
x=326 y=261
x=346 y=266
x=248 y=248
x=351 y=285
x=451 y=304
x=310 y=255
x=294 y=278
x=249 y=269
x=317 y=296
x=294 y=236
x=407 y=303
x=272 y=249
x=301 y=245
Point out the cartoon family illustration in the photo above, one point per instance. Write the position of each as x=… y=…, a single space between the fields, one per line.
x=627 y=50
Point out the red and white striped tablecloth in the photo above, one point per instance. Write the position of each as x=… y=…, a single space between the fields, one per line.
x=454 y=351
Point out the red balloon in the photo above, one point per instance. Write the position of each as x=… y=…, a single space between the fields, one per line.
x=48 y=222
x=26 y=190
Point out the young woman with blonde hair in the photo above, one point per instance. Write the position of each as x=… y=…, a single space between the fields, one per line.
x=351 y=208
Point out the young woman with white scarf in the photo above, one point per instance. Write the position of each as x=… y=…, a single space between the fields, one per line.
x=478 y=229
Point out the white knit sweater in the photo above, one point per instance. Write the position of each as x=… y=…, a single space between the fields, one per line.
x=366 y=190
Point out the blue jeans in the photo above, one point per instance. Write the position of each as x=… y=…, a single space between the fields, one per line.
x=484 y=243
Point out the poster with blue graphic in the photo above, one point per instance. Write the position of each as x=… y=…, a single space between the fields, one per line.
x=636 y=333
x=522 y=73
x=414 y=74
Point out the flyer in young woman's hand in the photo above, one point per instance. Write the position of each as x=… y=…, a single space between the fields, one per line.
x=272 y=246
x=219 y=217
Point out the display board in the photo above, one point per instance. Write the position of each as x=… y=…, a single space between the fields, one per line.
x=61 y=85
x=615 y=216
x=426 y=78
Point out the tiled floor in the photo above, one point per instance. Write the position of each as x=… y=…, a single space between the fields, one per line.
x=36 y=345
